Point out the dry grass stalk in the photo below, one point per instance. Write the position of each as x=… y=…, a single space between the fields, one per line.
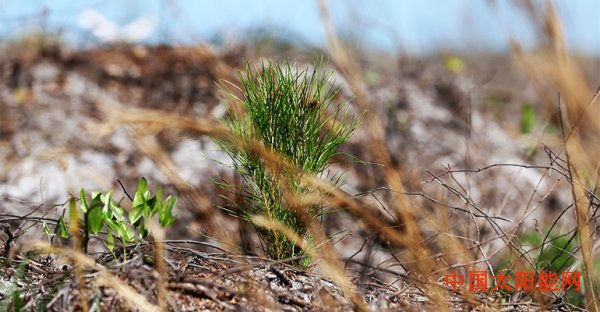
x=78 y=242
x=158 y=235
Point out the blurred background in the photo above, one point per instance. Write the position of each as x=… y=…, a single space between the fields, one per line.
x=413 y=26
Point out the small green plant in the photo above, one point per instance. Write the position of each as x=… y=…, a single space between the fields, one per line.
x=292 y=112
x=100 y=213
x=552 y=254
x=555 y=255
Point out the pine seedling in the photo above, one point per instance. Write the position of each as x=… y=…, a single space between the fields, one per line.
x=293 y=113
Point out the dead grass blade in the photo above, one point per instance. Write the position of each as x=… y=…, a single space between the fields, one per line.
x=158 y=235
x=78 y=243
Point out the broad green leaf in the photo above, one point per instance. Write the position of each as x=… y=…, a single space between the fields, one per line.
x=84 y=203
x=117 y=210
x=146 y=195
x=107 y=210
x=112 y=225
x=165 y=217
x=147 y=209
x=139 y=207
x=142 y=185
x=96 y=201
x=157 y=201
x=142 y=230
x=138 y=199
x=110 y=241
x=119 y=231
x=167 y=221
x=45 y=228
x=96 y=194
x=61 y=228
x=126 y=234
x=136 y=213
x=152 y=207
x=95 y=220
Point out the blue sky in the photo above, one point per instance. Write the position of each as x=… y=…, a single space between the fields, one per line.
x=413 y=26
